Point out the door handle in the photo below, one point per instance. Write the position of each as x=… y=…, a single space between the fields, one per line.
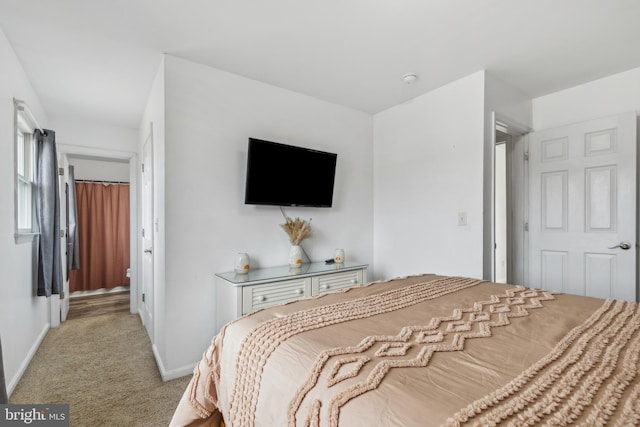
x=148 y=251
x=622 y=245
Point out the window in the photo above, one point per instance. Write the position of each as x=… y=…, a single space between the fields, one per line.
x=25 y=186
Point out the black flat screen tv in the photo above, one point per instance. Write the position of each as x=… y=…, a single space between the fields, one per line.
x=285 y=175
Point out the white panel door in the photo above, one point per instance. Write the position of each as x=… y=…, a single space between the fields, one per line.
x=147 y=236
x=64 y=215
x=582 y=208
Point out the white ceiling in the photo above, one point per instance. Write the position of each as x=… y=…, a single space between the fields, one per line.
x=95 y=59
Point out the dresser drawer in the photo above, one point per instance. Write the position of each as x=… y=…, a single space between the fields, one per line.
x=264 y=287
x=335 y=281
x=268 y=294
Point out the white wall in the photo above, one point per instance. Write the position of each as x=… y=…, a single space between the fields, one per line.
x=619 y=93
x=83 y=134
x=508 y=101
x=23 y=315
x=100 y=170
x=210 y=115
x=428 y=167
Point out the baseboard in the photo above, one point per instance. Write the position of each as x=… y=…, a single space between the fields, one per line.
x=174 y=373
x=25 y=363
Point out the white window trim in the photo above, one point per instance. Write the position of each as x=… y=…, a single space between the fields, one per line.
x=25 y=122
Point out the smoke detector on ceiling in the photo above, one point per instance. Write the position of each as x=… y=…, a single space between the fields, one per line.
x=410 y=78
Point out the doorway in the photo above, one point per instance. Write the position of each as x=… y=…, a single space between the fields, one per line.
x=501 y=242
x=508 y=202
x=99 y=244
x=68 y=154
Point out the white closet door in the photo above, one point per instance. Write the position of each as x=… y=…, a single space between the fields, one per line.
x=582 y=208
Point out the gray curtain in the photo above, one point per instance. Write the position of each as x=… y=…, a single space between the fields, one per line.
x=73 y=246
x=48 y=214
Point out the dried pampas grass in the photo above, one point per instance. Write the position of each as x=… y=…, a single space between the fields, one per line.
x=297 y=229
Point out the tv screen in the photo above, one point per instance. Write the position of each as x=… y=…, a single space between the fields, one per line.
x=284 y=175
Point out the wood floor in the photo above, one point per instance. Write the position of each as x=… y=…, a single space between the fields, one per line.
x=95 y=305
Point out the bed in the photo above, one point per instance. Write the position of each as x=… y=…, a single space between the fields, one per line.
x=422 y=351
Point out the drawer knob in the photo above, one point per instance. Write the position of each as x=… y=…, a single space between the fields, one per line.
x=299 y=291
x=262 y=298
x=323 y=287
x=354 y=281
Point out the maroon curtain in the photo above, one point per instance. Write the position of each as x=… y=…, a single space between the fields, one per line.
x=103 y=232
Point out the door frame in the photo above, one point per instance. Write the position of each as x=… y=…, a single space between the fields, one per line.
x=517 y=196
x=149 y=323
x=68 y=150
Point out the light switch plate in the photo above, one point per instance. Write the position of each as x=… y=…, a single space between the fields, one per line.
x=462 y=218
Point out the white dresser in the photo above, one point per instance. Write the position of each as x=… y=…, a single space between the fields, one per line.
x=239 y=294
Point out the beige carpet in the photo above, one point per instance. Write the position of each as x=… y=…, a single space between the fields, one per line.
x=103 y=367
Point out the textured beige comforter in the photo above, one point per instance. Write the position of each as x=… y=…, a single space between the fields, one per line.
x=423 y=351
